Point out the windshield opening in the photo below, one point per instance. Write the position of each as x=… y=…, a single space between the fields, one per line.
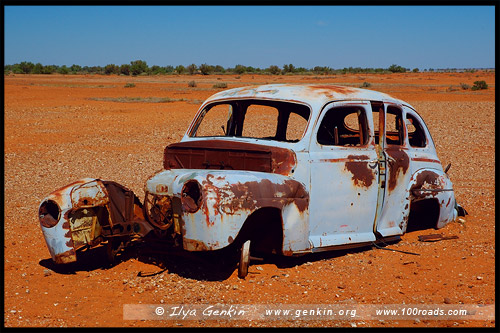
x=268 y=120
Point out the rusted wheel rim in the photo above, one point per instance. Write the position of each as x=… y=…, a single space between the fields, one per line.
x=244 y=260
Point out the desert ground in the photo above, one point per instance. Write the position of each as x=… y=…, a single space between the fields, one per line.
x=60 y=128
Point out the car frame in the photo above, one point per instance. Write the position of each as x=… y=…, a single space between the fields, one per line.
x=341 y=167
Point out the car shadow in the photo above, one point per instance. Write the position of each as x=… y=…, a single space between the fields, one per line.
x=216 y=265
x=89 y=260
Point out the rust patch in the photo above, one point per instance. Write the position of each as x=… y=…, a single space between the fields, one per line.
x=425 y=177
x=421 y=159
x=228 y=155
x=253 y=195
x=194 y=245
x=398 y=166
x=65 y=257
x=435 y=237
x=332 y=89
x=362 y=175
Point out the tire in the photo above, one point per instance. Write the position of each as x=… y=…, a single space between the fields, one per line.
x=244 y=260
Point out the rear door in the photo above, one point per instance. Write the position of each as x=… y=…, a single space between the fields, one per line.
x=393 y=201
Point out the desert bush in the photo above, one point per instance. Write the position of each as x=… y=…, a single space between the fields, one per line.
x=273 y=69
x=26 y=67
x=288 y=68
x=63 y=69
x=366 y=85
x=138 y=67
x=191 y=84
x=464 y=86
x=111 y=69
x=76 y=68
x=206 y=69
x=125 y=69
x=192 y=69
x=219 y=69
x=129 y=85
x=452 y=88
x=240 y=69
x=396 y=69
x=479 y=85
x=220 y=85
x=37 y=69
x=180 y=69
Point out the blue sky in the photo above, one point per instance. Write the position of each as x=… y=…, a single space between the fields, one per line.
x=258 y=36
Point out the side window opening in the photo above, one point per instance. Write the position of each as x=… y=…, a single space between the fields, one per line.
x=394 y=128
x=344 y=126
x=416 y=134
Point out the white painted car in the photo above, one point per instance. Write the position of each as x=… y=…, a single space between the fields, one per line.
x=295 y=169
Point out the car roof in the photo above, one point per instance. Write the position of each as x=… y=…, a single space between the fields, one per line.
x=312 y=94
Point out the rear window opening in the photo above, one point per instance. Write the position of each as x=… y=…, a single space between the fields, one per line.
x=268 y=120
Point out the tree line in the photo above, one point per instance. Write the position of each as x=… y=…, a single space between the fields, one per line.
x=140 y=67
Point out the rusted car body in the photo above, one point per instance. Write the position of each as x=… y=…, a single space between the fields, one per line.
x=294 y=169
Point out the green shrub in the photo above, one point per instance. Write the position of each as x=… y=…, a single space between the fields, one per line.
x=220 y=85
x=129 y=85
x=206 y=69
x=125 y=69
x=180 y=69
x=191 y=84
x=192 y=69
x=366 y=85
x=138 y=67
x=479 y=85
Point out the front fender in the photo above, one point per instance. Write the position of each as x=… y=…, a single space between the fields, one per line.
x=228 y=198
x=80 y=213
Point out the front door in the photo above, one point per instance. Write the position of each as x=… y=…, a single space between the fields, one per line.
x=344 y=176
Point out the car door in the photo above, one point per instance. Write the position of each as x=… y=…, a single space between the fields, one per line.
x=393 y=202
x=344 y=176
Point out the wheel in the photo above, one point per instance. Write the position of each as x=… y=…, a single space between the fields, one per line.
x=244 y=260
x=112 y=248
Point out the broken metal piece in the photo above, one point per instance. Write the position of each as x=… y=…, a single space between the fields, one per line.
x=435 y=237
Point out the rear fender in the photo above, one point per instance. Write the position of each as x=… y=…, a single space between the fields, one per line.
x=434 y=184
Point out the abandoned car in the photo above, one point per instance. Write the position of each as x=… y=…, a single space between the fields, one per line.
x=280 y=168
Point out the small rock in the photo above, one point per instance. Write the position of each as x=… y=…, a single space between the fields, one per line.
x=447 y=300
x=479 y=278
x=46 y=272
